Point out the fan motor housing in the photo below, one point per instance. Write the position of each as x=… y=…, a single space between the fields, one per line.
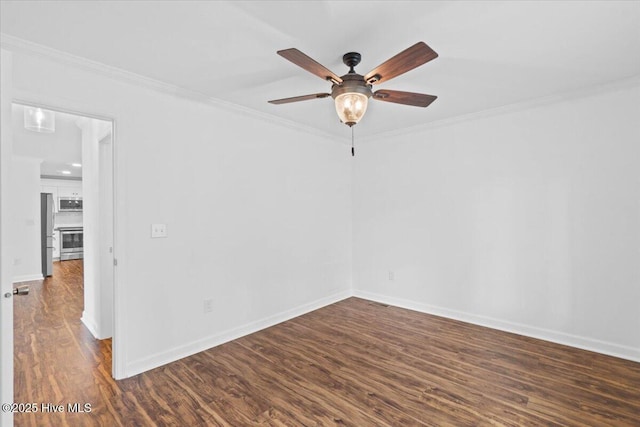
x=351 y=82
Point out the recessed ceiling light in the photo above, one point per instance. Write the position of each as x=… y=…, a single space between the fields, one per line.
x=66 y=172
x=39 y=120
x=76 y=165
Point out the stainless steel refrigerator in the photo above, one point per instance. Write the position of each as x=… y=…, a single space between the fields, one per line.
x=46 y=230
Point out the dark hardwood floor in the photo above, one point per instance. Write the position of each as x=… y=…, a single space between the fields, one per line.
x=354 y=363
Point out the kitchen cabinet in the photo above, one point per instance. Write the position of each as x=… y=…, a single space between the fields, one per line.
x=60 y=188
x=75 y=191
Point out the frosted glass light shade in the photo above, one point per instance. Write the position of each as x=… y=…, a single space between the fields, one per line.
x=351 y=106
x=39 y=120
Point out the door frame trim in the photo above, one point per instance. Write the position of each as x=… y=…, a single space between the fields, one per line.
x=6 y=254
x=118 y=370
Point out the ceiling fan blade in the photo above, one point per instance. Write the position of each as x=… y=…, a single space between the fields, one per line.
x=406 y=98
x=299 y=98
x=302 y=60
x=406 y=60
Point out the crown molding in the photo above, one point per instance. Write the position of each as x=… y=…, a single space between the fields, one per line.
x=582 y=92
x=16 y=44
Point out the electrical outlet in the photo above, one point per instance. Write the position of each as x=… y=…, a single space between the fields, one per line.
x=392 y=275
x=208 y=305
x=158 y=230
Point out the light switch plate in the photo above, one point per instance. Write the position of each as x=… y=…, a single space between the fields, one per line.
x=158 y=230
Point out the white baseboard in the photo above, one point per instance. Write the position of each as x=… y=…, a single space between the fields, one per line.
x=91 y=324
x=558 y=337
x=27 y=278
x=138 y=366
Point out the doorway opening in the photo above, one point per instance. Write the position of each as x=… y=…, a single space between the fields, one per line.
x=67 y=174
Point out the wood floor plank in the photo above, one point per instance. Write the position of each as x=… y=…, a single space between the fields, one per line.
x=403 y=376
x=353 y=363
x=555 y=378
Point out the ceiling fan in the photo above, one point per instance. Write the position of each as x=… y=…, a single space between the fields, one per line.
x=352 y=91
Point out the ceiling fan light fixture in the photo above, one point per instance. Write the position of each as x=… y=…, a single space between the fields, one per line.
x=351 y=107
x=39 y=120
x=352 y=91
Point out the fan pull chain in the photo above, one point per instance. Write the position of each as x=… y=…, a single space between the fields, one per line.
x=353 y=152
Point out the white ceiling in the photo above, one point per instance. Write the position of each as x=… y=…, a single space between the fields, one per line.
x=58 y=151
x=492 y=54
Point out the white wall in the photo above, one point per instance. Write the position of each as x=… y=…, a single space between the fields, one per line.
x=258 y=214
x=527 y=221
x=105 y=234
x=25 y=219
x=92 y=131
